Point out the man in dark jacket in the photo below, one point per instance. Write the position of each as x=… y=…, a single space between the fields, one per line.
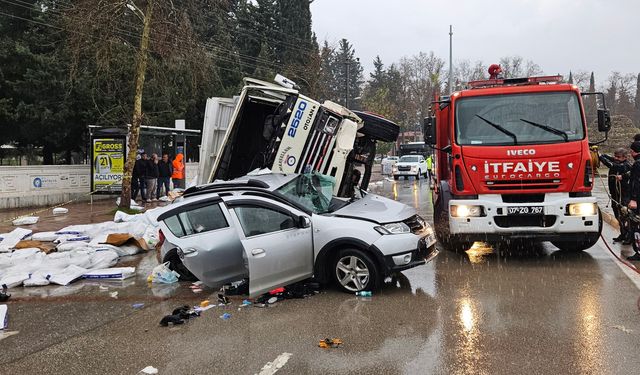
x=138 y=174
x=634 y=196
x=152 y=177
x=165 y=170
x=619 y=174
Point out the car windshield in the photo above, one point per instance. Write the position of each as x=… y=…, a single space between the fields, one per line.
x=409 y=159
x=313 y=191
x=519 y=119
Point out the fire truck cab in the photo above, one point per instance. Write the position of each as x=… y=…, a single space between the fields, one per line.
x=512 y=161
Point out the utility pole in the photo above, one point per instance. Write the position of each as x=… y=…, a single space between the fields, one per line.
x=346 y=86
x=450 y=57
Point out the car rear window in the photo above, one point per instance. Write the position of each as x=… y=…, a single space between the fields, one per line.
x=198 y=220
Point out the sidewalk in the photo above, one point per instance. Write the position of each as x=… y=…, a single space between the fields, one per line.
x=600 y=192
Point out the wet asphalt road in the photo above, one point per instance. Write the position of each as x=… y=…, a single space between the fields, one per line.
x=532 y=310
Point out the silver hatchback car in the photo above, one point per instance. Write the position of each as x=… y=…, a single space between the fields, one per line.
x=278 y=229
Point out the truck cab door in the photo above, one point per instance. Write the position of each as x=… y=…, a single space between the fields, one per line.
x=277 y=242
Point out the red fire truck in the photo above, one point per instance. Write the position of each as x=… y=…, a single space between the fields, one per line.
x=513 y=162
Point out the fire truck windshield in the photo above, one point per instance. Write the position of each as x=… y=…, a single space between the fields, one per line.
x=521 y=119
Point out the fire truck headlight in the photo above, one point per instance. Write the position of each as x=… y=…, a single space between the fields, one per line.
x=463 y=210
x=582 y=209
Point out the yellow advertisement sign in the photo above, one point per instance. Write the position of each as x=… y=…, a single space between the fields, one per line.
x=108 y=164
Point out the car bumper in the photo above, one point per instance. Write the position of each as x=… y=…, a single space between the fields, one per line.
x=552 y=221
x=420 y=247
x=405 y=173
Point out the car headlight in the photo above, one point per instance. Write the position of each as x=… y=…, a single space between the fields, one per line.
x=393 y=228
x=463 y=210
x=582 y=209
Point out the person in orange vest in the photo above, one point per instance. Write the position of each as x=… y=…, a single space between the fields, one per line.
x=178 y=172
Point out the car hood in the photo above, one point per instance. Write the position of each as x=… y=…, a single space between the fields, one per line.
x=407 y=163
x=376 y=208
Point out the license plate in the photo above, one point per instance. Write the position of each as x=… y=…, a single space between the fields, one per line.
x=525 y=210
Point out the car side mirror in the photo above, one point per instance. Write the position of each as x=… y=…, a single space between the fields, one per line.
x=604 y=120
x=429 y=130
x=304 y=222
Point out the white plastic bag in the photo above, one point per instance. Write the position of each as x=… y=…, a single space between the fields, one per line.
x=163 y=275
x=66 y=276
x=60 y=211
x=25 y=220
x=44 y=236
x=103 y=259
x=12 y=239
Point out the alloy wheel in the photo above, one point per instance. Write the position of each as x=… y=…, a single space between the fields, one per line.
x=352 y=273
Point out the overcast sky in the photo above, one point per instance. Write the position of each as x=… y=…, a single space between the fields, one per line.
x=559 y=35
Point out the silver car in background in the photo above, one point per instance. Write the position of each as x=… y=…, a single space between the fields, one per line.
x=278 y=229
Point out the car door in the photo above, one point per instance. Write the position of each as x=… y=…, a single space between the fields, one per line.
x=208 y=240
x=277 y=241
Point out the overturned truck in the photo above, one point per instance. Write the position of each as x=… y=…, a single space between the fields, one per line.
x=275 y=127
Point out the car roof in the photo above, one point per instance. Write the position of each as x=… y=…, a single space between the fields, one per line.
x=267 y=182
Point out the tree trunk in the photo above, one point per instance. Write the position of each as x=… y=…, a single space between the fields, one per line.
x=134 y=130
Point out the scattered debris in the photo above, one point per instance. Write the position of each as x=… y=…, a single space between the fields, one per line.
x=4 y=335
x=115 y=273
x=4 y=317
x=11 y=239
x=25 y=220
x=272 y=300
x=330 y=343
x=225 y=316
x=204 y=303
x=150 y=370
x=60 y=211
x=236 y=288
x=623 y=329
x=272 y=367
x=223 y=299
x=173 y=319
x=163 y=274
x=137 y=305
x=246 y=302
x=364 y=293
x=103 y=288
x=4 y=296
x=114 y=295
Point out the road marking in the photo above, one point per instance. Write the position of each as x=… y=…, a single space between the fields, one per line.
x=272 y=367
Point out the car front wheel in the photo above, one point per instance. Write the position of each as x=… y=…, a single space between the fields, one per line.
x=354 y=271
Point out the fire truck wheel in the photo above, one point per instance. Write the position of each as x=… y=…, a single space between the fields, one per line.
x=582 y=242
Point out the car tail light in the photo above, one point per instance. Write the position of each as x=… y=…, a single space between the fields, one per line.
x=161 y=239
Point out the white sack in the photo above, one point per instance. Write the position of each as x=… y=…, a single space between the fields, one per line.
x=25 y=220
x=66 y=276
x=116 y=273
x=44 y=236
x=60 y=211
x=12 y=239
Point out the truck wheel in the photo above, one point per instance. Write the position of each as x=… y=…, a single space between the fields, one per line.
x=581 y=243
x=576 y=245
x=441 y=227
x=378 y=128
x=354 y=271
x=175 y=264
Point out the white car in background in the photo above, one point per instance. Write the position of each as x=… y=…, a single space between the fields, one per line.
x=410 y=165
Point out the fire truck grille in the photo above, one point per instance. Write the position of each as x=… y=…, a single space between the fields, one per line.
x=547 y=184
x=541 y=221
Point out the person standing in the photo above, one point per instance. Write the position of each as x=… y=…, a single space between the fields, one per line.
x=430 y=166
x=152 y=178
x=178 y=172
x=138 y=174
x=619 y=174
x=165 y=170
x=634 y=196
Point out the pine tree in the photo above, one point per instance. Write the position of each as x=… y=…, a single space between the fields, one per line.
x=591 y=104
x=570 y=80
x=348 y=72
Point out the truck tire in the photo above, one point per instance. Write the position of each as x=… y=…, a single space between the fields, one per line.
x=448 y=241
x=582 y=242
x=378 y=128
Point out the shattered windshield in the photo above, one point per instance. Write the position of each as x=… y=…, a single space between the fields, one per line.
x=313 y=191
x=519 y=119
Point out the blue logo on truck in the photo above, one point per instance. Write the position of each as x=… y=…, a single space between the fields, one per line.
x=296 y=119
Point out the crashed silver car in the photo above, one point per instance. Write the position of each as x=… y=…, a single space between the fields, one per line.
x=277 y=229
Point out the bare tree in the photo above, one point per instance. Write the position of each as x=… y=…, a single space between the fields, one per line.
x=154 y=26
x=421 y=75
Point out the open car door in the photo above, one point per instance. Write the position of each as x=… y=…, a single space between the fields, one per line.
x=277 y=242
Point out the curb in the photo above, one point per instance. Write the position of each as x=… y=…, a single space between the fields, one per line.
x=610 y=219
